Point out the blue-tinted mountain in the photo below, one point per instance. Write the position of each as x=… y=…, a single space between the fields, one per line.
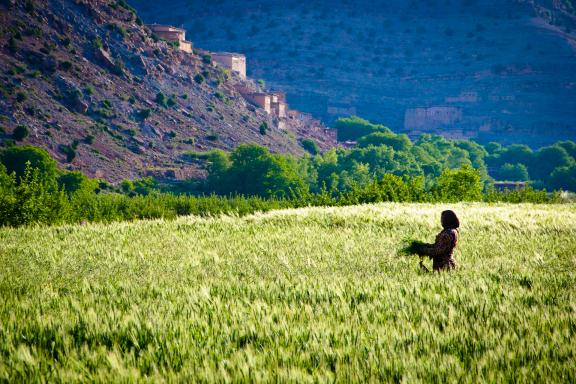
x=502 y=70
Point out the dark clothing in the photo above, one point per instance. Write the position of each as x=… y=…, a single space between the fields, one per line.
x=442 y=251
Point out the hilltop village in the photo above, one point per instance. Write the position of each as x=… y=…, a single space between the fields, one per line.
x=273 y=103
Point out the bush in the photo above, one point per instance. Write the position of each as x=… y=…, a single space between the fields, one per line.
x=65 y=65
x=199 y=78
x=263 y=128
x=12 y=46
x=310 y=146
x=171 y=102
x=144 y=113
x=118 y=67
x=97 y=42
x=69 y=151
x=21 y=97
x=162 y=100
x=89 y=139
x=20 y=133
x=207 y=59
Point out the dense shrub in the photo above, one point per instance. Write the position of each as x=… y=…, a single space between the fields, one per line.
x=199 y=78
x=310 y=146
x=20 y=133
x=161 y=99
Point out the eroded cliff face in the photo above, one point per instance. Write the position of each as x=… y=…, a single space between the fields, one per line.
x=104 y=95
x=487 y=69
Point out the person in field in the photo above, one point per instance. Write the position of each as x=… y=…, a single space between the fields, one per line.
x=442 y=251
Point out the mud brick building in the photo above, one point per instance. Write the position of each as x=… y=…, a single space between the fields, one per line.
x=236 y=62
x=170 y=33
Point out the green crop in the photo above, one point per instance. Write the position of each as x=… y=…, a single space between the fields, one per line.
x=316 y=294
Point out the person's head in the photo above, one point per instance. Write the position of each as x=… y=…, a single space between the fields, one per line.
x=449 y=220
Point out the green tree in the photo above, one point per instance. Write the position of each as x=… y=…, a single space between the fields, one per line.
x=516 y=153
x=398 y=142
x=34 y=199
x=493 y=148
x=564 y=178
x=569 y=146
x=354 y=127
x=254 y=171
x=218 y=165
x=548 y=159
x=462 y=184
x=513 y=172
x=457 y=159
x=15 y=160
x=76 y=182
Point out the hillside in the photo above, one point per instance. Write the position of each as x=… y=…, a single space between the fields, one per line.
x=498 y=70
x=90 y=83
x=308 y=295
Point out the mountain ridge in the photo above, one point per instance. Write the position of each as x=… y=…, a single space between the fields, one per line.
x=480 y=69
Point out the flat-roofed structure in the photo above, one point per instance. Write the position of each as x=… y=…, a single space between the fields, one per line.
x=510 y=185
x=236 y=62
x=263 y=100
x=278 y=108
x=278 y=104
x=173 y=34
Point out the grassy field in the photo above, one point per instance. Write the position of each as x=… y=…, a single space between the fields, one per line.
x=298 y=295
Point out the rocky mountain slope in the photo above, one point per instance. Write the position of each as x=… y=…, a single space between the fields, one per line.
x=487 y=69
x=103 y=94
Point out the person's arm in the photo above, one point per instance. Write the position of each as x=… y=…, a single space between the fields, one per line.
x=441 y=246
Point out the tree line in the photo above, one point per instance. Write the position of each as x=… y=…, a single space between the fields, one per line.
x=249 y=179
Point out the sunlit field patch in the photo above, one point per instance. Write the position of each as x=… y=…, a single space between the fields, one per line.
x=316 y=294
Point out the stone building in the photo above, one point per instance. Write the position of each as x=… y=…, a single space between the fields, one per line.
x=421 y=119
x=173 y=34
x=263 y=100
x=236 y=62
x=278 y=104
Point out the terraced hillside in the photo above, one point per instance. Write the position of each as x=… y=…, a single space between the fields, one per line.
x=489 y=69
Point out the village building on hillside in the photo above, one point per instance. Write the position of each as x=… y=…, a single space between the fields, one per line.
x=510 y=185
x=278 y=104
x=236 y=62
x=262 y=100
x=173 y=34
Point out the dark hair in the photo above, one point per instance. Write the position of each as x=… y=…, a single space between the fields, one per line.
x=450 y=220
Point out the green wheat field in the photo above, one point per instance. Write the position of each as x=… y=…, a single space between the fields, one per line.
x=307 y=295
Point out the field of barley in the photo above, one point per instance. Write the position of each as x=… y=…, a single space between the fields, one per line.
x=306 y=295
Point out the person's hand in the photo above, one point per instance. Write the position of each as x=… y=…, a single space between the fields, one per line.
x=422 y=266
